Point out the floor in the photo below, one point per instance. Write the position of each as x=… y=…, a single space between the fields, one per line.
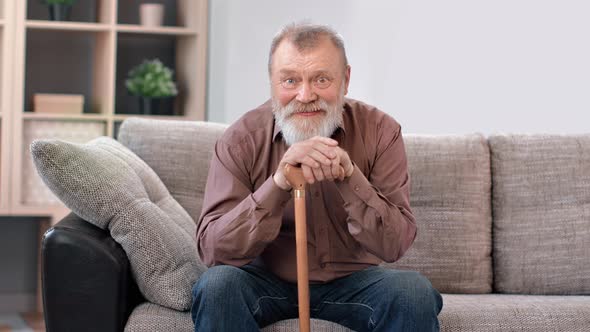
x=30 y=322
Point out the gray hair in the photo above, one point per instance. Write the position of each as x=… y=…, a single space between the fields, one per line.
x=306 y=36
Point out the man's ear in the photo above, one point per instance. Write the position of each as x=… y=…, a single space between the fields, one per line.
x=346 y=79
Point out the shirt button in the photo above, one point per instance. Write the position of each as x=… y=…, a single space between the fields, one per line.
x=323 y=265
x=317 y=194
x=356 y=188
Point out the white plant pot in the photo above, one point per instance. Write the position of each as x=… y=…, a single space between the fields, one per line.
x=151 y=14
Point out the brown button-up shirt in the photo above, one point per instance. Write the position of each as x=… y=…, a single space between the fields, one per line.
x=351 y=224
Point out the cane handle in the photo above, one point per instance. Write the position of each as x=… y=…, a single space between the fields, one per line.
x=295 y=177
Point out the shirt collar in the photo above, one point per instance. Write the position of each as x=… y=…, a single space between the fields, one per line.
x=346 y=108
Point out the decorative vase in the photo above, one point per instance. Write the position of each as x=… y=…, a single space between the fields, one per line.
x=59 y=12
x=149 y=106
x=151 y=14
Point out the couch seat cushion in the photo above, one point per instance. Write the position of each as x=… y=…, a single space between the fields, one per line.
x=450 y=197
x=495 y=312
x=469 y=313
x=541 y=208
x=106 y=184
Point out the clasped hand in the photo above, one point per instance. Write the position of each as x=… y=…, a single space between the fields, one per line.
x=320 y=158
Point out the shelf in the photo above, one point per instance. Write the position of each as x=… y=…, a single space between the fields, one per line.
x=68 y=62
x=77 y=117
x=163 y=30
x=68 y=26
x=132 y=50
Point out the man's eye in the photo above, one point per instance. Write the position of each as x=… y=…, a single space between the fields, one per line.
x=288 y=83
x=322 y=82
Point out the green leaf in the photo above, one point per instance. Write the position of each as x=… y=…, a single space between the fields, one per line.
x=151 y=79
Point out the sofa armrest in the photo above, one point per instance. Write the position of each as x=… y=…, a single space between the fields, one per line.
x=86 y=279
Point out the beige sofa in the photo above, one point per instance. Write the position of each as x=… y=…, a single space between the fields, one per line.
x=503 y=233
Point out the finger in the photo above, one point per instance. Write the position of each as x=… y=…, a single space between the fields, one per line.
x=318 y=174
x=335 y=169
x=327 y=170
x=325 y=140
x=318 y=158
x=326 y=150
x=342 y=173
x=345 y=160
x=307 y=174
x=348 y=166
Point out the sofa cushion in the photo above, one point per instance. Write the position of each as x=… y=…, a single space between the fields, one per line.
x=107 y=185
x=499 y=312
x=178 y=151
x=541 y=207
x=469 y=313
x=450 y=197
x=151 y=317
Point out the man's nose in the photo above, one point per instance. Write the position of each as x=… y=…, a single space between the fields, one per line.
x=306 y=93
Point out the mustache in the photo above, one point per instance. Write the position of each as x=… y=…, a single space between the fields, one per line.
x=297 y=107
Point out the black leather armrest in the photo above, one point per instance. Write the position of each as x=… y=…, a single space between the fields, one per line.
x=86 y=279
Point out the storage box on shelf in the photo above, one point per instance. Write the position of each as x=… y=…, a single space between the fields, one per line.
x=53 y=103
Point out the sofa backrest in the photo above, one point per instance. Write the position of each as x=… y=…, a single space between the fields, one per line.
x=178 y=151
x=541 y=203
x=450 y=197
x=450 y=193
x=541 y=208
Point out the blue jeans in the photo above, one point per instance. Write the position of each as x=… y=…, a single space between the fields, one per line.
x=228 y=298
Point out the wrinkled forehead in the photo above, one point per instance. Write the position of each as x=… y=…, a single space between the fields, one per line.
x=320 y=55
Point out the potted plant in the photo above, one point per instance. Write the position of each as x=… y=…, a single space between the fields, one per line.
x=150 y=81
x=59 y=10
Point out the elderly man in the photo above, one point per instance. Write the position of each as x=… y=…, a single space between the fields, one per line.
x=359 y=214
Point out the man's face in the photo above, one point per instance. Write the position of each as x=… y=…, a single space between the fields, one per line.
x=307 y=89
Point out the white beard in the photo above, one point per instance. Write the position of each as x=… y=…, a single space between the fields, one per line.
x=301 y=128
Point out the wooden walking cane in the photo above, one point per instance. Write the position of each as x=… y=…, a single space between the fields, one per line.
x=295 y=177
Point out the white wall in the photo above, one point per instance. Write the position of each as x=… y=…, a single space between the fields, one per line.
x=438 y=67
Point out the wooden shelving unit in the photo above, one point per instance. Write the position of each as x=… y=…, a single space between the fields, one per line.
x=89 y=55
x=7 y=37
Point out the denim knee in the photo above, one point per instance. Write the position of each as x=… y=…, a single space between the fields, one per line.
x=416 y=294
x=218 y=280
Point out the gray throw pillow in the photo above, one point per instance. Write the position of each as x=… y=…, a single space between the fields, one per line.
x=106 y=184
